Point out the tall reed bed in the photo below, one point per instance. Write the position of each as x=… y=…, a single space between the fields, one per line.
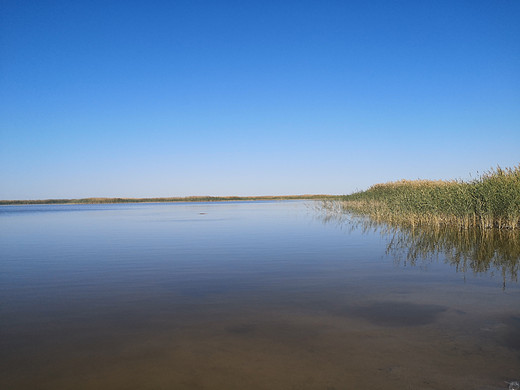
x=491 y=200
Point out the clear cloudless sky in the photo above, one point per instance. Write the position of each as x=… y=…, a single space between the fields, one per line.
x=175 y=98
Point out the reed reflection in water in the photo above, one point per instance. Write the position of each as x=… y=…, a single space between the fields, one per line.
x=475 y=250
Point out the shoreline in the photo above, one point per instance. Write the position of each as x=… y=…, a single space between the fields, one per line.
x=165 y=199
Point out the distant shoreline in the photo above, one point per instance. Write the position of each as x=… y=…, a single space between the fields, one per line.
x=166 y=200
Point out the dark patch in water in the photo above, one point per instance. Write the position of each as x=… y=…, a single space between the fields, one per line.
x=242 y=329
x=398 y=313
x=512 y=337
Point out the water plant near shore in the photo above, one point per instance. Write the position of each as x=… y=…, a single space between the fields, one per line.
x=490 y=200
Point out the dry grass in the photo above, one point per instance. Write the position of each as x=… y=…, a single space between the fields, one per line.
x=491 y=200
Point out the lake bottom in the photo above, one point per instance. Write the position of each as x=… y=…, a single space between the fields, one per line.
x=337 y=339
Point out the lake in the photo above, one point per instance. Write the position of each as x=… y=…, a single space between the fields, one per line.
x=248 y=295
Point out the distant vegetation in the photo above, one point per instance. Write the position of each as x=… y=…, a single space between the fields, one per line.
x=158 y=200
x=491 y=200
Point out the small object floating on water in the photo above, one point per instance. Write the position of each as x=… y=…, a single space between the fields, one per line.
x=202 y=213
x=515 y=385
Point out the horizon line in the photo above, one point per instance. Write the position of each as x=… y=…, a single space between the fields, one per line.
x=193 y=198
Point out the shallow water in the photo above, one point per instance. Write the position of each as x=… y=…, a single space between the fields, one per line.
x=241 y=295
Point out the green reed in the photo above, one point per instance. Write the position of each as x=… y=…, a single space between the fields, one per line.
x=490 y=200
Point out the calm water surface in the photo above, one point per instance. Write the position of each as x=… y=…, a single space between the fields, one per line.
x=243 y=295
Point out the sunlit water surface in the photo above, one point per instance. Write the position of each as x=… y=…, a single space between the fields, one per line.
x=240 y=295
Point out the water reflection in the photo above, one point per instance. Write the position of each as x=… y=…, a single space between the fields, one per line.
x=248 y=296
x=475 y=250
x=478 y=251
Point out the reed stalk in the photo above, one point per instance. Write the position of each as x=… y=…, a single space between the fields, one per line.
x=492 y=200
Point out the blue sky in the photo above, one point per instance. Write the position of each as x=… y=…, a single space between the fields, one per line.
x=177 y=98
